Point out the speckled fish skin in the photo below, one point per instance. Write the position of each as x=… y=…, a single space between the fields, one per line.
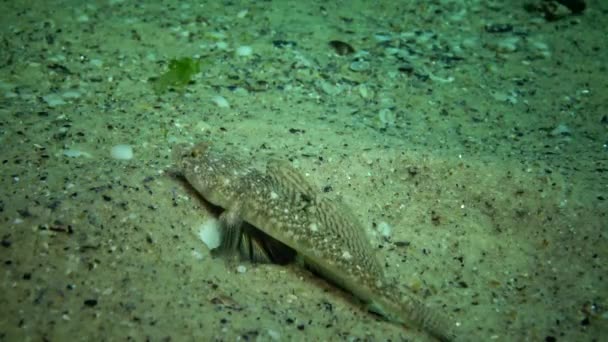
x=283 y=204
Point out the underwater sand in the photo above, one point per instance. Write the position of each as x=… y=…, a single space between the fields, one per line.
x=475 y=154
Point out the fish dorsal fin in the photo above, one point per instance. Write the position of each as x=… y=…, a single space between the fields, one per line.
x=289 y=182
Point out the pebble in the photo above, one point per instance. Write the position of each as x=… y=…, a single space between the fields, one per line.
x=341 y=48
x=53 y=100
x=244 y=51
x=274 y=335
x=220 y=101
x=71 y=94
x=364 y=91
x=209 y=233
x=122 y=152
x=560 y=130
x=359 y=66
x=498 y=28
x=385 y=229
x=386 y=117
x=383 y=37
x=96 y=62
x=75 y=153
x=242 y=14
x=330 y=89
x=197 y=255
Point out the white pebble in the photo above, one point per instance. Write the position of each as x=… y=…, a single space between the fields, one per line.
x=197 y=255
x=242 y=14
x=220 y=101
x=209 y=233
x=70 y=94
x=221 y=45
x=241 y=269
x=75 y=153
x=244 y=51
x=82 y=18
x=384 y=229
x=274 y=335
x=53 y=100
x=123 y=152
x=561 y=129
x=387 y=117
x=96 y=62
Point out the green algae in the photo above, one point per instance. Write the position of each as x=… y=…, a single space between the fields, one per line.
x=178 y=75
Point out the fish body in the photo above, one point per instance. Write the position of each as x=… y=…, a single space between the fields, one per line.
x=324 y=234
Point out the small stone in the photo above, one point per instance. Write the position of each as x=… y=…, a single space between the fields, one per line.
x=274 y=335
x=209 y=233
x=122 y=152
x=364 y=91
x=72 y=153
x=244 y=51
x=359 y=66
x=561 y=130
x=341 y=47
x=384 y=229
x=498 y=28
x=90 y=302
x=53 y=100
x=242 y=14
x=220 y=101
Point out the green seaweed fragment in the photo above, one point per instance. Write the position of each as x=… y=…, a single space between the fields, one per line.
x=178 y=75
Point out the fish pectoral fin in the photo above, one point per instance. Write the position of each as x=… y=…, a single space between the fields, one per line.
x=231 y=233
x=249 y=243
x=231 y=217
x=262 y=248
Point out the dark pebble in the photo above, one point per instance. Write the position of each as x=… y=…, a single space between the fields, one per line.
x=406 y=68
x=284 y=43
x=401 y=243
x=296 y=130
x=90 y=302
x=341 y=47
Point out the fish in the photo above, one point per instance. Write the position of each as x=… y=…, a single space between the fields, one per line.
x=278 y=215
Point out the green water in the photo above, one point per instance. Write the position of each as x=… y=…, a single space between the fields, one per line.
x=468 y=137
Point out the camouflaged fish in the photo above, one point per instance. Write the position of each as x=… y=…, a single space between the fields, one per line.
x=278 y=216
